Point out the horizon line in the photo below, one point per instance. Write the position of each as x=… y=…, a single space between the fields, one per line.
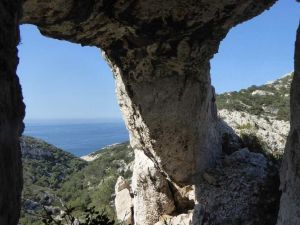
x=72 y=119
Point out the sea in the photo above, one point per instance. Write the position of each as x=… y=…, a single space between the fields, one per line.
x=78 y=137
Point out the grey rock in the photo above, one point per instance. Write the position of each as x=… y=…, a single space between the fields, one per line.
x=238 y=197
x=289 y=213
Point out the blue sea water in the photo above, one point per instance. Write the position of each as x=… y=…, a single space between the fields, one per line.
x=78 y=137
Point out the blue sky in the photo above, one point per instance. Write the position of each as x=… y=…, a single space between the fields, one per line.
x=258 y=50
x=63 y=80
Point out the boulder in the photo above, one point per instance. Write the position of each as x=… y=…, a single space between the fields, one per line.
x=123 y=202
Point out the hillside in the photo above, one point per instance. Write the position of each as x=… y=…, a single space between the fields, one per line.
x=45 y=167
x=53 y=176
x=259 y=112
x=270 y=100
x=94 y=184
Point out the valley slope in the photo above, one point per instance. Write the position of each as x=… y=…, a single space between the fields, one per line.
x=260 y=112
x=53 y=176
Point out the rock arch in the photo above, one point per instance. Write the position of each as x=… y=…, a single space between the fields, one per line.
x=159 y=53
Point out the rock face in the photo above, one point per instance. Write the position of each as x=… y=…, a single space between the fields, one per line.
x=34 y=152
x=123 y=202
x=152 y=195
x=236 y=191
x=244 y=174
x=290 y=177
x=258 y=113
x=273 y=132
x=11 y=114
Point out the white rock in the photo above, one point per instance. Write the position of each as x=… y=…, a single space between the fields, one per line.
x=261 y=92
x=152 y=196
x=184 y=219
x=121 y=184
x=272 y=132
x=123 y=201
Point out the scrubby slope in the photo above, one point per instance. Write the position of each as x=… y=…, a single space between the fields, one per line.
x=260 y=112
x=53 y=176
x=94 y=185
x=45 y=167
x=270 y=100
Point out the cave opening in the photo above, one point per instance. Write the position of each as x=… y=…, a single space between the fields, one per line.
x=72 y=118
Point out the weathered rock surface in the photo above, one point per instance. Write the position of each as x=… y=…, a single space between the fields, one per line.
x=152 y=195
x=123 y=202
x=289 y=213
x=34 y=152
x=273 y=132
x=186 y=219
x=11 y=114
x=231 y=142
x=238 y=194
x=236 y=191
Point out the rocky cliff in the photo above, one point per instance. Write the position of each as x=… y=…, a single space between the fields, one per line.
x=290 y=178
x=12 y=110
x=260 y=112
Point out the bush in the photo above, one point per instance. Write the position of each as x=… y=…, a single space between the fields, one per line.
x=91 y=217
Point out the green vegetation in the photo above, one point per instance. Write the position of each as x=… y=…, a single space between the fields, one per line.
x=94 y=185
x=45 y=167
x=90 y=215
x=52 y=176
x=266 y=100
x=246 y=126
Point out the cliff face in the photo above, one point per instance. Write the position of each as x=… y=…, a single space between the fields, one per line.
x=261 y=112
x=290 y=177
x=11 y=114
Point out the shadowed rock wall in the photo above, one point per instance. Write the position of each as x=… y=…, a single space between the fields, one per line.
x=289 y=213
x=11 y=114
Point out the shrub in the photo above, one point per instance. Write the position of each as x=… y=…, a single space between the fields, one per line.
x=91 y=217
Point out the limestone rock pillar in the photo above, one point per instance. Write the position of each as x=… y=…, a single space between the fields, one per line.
x=170 y=113
x=289 y=213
